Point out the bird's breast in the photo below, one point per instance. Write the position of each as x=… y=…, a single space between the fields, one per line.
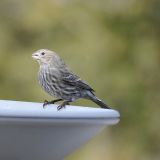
x=49 y=82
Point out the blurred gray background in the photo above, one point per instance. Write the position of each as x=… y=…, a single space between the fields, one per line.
x=113 y=45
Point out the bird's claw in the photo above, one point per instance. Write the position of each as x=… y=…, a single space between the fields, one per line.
x=63 y=105
x=60 y=107
x=46 y=103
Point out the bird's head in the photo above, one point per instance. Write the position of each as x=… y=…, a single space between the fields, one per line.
x=47 y=57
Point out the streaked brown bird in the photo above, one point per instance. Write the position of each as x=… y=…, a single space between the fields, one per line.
x=59 y=81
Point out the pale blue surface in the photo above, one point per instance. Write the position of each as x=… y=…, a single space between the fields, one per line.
x=29 y=132
x=32 y=109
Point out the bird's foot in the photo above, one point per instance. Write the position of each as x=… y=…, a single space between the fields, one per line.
x=50 y=102
x=46 y=103
x=63 y=105
x=60 y=107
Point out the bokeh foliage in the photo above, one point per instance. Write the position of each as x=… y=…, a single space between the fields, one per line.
x=113 y=45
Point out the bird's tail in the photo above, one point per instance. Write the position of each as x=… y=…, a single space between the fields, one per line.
x=99 y=102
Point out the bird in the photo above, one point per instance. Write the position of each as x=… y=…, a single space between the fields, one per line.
x=56 y=78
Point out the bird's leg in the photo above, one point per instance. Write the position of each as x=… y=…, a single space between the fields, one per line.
x=56 y=100
x=51 y=102
x=63 y=105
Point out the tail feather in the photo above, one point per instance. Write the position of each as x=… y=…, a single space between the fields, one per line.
x=99 y=102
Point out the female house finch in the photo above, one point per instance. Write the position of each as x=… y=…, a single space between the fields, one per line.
x=58 y=80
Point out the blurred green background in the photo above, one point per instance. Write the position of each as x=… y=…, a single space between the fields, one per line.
x=113 y=45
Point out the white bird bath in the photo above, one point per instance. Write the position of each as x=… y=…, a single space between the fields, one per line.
x=29 y=132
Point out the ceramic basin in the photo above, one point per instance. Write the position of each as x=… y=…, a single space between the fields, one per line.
x=29 y=132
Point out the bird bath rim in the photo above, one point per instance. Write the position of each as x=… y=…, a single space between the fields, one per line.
x=34 y=110
x=30 y=132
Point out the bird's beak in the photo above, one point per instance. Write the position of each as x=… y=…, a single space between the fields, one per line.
x=35 y=56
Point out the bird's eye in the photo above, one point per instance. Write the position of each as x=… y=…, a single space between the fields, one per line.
x=42 y=53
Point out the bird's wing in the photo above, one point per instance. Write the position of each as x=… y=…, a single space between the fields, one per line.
x=73 y=80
